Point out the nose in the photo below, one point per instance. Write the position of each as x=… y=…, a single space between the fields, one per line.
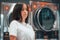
x=25 y=12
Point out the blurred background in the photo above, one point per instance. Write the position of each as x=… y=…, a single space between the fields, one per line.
x=45 y=22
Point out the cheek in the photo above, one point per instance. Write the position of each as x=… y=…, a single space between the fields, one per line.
x=22 y=13
x=26 y=13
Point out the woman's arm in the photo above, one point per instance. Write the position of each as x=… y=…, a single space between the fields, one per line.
x=13 y=30
x=12 y=37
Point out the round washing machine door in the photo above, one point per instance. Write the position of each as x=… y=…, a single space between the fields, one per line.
x=44 y=19
x=35 y=20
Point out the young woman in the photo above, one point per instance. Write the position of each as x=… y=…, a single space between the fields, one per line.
x=19 y=28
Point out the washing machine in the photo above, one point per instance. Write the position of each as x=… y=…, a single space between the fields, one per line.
x=44 y=18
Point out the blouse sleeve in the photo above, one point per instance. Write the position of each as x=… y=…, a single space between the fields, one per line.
x=13 y=28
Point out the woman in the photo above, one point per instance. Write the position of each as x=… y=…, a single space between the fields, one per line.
x=19 y=28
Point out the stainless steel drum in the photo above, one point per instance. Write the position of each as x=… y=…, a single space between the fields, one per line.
x=44 y=18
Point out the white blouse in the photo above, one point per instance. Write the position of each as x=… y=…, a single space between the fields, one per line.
x=22 y=31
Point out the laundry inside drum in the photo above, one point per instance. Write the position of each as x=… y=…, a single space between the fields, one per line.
x=46 y=18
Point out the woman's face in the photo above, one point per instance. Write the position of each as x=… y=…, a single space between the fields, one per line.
x=24 y=12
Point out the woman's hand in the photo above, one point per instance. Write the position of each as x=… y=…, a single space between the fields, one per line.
x=12 y=37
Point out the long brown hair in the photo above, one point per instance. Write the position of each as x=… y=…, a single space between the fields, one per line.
x=16 y=14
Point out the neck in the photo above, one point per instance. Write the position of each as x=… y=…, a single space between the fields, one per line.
x=23 y=20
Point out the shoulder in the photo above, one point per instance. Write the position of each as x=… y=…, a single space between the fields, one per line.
x=30 y=26
x=13 y=25
x=13 y=22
